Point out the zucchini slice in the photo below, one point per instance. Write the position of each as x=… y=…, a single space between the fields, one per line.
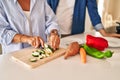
x=41 y=51
x=33 y=59
x=35 y=54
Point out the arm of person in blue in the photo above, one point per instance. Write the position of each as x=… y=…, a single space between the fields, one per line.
x=25 y=23
x=96 y=20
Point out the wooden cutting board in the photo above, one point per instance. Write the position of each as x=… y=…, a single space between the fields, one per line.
x=23 y=56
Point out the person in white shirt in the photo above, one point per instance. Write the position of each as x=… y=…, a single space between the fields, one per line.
x=25 y=23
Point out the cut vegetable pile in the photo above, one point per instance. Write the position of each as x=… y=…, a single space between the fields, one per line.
x=41 y=53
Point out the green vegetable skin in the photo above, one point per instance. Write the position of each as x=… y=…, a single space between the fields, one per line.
x=42 y=53
x=96 y=53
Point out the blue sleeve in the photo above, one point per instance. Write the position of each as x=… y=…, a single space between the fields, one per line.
x=6 y=33
x=94 y=15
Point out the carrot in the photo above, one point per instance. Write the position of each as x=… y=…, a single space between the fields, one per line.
x=82 y=55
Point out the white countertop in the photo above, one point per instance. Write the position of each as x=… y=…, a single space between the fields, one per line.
x=60 y=69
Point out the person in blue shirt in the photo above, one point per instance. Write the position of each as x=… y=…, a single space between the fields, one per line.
x=25 y=23
x=71 y=16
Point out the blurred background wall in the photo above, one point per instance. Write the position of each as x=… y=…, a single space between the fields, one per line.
x=110 y=13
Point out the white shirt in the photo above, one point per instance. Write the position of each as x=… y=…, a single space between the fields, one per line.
x=27 y=13
x=64 y=15
x=13 y=21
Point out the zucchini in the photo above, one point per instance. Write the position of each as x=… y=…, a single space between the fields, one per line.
x=47 y=55
x=35 y=54
x=42 y=53
x=33 y=59
x=47 y=47
x=48 y=51
x=50 y=48
x=41 y=57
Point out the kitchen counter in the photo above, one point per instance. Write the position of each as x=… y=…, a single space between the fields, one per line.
x=60 y=69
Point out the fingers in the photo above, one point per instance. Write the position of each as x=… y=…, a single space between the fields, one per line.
x=51 y=41
x=36 y=41
x=39 y=42
x=58 y=43
x=54 y=41
x=31 y=41
x=42 y=42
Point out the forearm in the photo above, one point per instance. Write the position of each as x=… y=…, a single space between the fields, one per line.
x=106 y=34
x=20 y=38
x=35 y=41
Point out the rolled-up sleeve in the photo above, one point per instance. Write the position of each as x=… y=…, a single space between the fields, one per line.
x=51 y=20
x=6 y=33
x=99 y=26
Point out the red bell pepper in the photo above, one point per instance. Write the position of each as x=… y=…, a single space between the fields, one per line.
x=96 y=42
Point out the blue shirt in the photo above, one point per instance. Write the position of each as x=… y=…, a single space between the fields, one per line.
x=13 y=21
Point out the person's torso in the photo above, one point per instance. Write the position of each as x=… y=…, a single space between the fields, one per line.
x=18 y=21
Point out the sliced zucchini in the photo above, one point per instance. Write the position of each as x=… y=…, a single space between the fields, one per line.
x=33 y=59
x=45 y=46
x=41 y=51
x=35 y=54
x=48 y=51
x=50 y=48
x=47 y=55
x=41 y=57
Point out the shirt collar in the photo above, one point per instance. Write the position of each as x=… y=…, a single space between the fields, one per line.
x=32 y=3
x=16 y=0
